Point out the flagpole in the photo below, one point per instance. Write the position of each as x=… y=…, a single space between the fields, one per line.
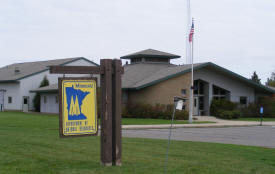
x=191 y=102
x=188 y=16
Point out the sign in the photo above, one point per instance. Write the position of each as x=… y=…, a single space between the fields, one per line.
x=179 y=105
x=111 y=102
x=261 y=110
x=78 y=114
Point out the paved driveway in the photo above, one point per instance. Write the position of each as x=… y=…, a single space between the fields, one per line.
x=254 y=136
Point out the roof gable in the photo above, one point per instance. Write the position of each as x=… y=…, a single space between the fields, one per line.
x=150 y=53
x=7 y=73
x=166 y=73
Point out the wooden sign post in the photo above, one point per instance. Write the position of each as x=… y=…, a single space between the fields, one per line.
x=111 y=93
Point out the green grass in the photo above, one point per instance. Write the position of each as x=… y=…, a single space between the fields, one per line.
x=30 y=144
x=255 y=119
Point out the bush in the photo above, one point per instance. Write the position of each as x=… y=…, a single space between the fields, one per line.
x=161 y=111
x=181 y=115
x=224 y=109
x=253 y=110
x=224 y=114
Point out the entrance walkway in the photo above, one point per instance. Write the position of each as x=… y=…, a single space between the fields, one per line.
x=218 y=123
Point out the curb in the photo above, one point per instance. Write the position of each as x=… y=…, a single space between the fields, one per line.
x=136 y=127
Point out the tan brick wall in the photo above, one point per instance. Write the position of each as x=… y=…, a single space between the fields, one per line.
x=162 y=92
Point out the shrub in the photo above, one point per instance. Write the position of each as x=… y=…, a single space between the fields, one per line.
x=222 y=104
x=142 y=110
x=181 y=115
x=252 y=110
x=225 y=114
x=224 y=109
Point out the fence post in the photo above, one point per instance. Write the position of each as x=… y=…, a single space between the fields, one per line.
x=106 y=112
x=117 y=102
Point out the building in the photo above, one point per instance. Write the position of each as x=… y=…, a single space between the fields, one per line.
x=18 y=79
x=151 y=78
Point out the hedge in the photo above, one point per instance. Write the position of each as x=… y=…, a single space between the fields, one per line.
x=161 y=111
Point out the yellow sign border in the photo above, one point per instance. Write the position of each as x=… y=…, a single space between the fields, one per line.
x=61 y=107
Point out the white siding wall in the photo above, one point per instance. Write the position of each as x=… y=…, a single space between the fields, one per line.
x=51 y=105
x=236 y=88
x=33 y=82
x=12 y=90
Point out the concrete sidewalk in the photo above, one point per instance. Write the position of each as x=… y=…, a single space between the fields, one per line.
x=218 y=123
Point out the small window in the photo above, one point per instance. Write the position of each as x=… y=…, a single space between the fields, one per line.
x=56 y=99
x=183 y=91
x=243 y=100
x=9 y=99
x=45 y=99
x=25 y=101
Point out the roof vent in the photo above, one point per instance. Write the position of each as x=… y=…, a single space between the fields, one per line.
x=16 y=70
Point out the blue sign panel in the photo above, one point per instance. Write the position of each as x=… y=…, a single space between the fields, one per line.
x=261 y=110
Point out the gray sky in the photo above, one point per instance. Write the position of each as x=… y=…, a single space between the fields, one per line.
x=238 y=35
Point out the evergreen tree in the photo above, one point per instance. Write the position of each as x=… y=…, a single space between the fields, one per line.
x=255 y=78
x=36 y=99
x=271 y=80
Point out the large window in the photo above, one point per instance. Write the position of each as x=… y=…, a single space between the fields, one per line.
x=220 y=93
x=198 y=87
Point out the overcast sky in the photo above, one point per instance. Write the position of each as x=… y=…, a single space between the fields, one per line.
x=238 y=35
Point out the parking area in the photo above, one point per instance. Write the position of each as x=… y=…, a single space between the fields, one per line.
x=255 y=136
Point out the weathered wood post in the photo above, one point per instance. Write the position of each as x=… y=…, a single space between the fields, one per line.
x=106 y=112
x=117 y=105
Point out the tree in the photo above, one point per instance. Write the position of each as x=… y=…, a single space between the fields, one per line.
x=255 y=78
x=271 y=80
x=36 y=99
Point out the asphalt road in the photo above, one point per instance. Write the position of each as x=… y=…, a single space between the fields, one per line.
x=255 y=136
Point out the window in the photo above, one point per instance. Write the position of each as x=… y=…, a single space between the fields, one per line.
x=25 y=101
x=56 y=99
x=220 y=93
x=243 y=100
x=183 y=91
x=9 y=99
x=45 y=99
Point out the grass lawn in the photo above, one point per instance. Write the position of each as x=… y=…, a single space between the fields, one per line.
x=255 y=119
x=131 y=121
x=30 y=144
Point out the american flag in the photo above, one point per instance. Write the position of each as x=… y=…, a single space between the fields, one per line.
x=191 y=32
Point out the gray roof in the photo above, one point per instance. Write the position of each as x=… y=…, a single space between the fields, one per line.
x=50 y=88
x=150 y=53
x=140 y=75
x=7 y=73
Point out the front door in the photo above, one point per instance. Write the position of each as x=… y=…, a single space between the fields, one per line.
x=196 y=106
x=25 y=104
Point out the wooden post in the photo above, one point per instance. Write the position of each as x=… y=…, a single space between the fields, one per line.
x=106 y=112
x=117 y=102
